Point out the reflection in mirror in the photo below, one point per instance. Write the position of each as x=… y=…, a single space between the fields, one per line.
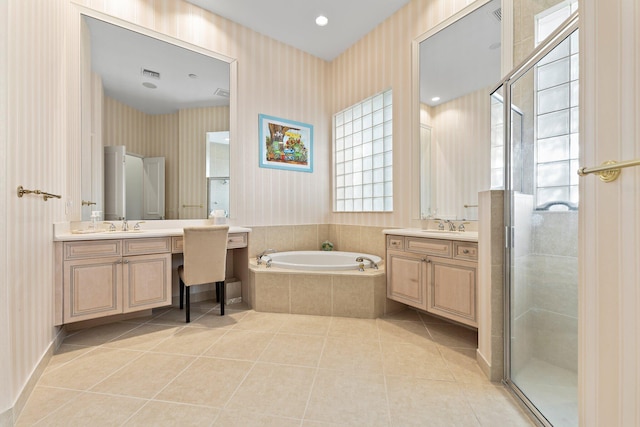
x=158 y=101
x=218 y=172
x=458 y=66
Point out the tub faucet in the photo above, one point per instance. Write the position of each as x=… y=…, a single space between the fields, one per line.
x=266 y=251
x=362 y=259
x=268 y=265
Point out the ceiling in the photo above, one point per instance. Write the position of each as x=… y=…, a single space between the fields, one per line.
x=119 y=55
x=293 y=21
x=461 y=58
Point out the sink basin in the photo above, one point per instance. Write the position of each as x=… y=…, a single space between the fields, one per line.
x=122 y=232
x=443 y=231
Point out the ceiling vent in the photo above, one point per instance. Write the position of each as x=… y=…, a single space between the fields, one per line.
x=497 y=14
x=151 y=74
x=222 y=92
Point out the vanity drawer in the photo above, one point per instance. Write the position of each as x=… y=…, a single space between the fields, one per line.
x=465 y=250
x=237 y=240
x=177 y=245
x=92 y=249
x=153 y=245
x=395 y=242
x=435 y=247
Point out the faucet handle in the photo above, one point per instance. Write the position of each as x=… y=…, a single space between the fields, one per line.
x=461 y=226
x=137 y=226
x=112 y=226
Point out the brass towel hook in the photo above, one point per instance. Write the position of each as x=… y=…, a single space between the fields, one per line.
x=46 y=196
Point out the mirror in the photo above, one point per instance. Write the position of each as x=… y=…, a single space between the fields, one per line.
x=153 y=100
x=459 y=62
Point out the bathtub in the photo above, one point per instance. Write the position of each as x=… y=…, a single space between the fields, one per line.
x=319 y=283
x=320 y=260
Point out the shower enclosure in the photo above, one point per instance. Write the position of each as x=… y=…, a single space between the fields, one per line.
x=540 y=134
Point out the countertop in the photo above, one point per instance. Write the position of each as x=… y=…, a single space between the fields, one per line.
x=466 y=236
x=75 y=231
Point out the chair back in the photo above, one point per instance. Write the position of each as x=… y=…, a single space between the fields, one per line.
x=205 y=254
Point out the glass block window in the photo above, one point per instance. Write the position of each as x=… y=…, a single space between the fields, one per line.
x=557 y=116
x=363 y=156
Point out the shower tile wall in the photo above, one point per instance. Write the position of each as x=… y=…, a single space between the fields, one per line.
x=545 y=302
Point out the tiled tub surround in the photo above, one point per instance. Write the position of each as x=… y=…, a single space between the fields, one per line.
x=347 y=293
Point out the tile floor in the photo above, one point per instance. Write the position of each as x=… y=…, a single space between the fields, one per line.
x=262 y=369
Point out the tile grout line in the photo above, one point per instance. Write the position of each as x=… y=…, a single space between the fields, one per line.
x=317 y=370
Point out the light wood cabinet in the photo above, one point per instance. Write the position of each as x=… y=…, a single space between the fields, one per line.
x=107 y=277
x=435 y=275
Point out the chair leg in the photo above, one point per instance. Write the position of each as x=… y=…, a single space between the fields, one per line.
x=181 y=294
x=217 y=291
x=188 y=303
x=222 y=297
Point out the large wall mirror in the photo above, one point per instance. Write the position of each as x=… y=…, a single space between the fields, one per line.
x=459 y=62
x=149 y=108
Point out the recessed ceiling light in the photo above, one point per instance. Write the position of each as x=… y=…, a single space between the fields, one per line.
x=435 y=99
x=193 y=76
x=149 y=85
x=322 y=20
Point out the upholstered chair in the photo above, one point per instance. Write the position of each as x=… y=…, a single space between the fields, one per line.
x=205 y=259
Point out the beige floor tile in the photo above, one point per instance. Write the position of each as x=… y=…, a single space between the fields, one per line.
x=145 y=376
x=89 y=369
x=348 y=399
x=208 y=381
x=177 y=317
x=42 y=402
x=262 y=322
x=300 y=350
x=142 y=338
x=168 y=414
x=352 y=355
x=463 y=365
x=407 y=314
x=278 y=390
x=453 y=335
x=493 y=406
x=244 y=418
x=212 y=319
x=420 y=402
x=419 y=360
x=402 y=331
x=349 y=327
x=91 y=409
x=306 y=325
x=430 y=319
x=311 y=423
x=241 y=345
x=66 y=353
x=189 y=341
x=99 y=334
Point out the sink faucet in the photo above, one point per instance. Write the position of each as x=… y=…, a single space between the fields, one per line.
x=452 y=225
x=266 y=251
x=125 y=225
x=362 y=259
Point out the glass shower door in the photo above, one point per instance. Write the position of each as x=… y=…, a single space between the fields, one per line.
x=542 y=216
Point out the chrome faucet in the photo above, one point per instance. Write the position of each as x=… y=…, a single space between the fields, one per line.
x=362 y=259
x=461 y=226
x=452 y=225
x=125 y=225
x=266 y=251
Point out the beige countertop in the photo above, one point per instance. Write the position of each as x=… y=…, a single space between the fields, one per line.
x=466 y=236
x=75 y=231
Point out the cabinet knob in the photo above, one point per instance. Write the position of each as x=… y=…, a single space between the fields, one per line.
x=126 y=261
x=426 y=260
x=465 y=251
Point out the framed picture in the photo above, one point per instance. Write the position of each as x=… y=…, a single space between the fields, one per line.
x=285 y=144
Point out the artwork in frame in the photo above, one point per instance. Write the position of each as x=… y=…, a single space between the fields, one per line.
x=285 y=144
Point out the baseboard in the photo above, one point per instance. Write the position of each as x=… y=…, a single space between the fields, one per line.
x=22 y=399
x=484 y=365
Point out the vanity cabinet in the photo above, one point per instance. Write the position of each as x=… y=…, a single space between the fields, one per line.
x=435 y=275
x=106 y=277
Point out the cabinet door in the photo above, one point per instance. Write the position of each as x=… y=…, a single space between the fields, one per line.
x=147 y=281
x=92 y=288
x=407 y=278
x=452 y=290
